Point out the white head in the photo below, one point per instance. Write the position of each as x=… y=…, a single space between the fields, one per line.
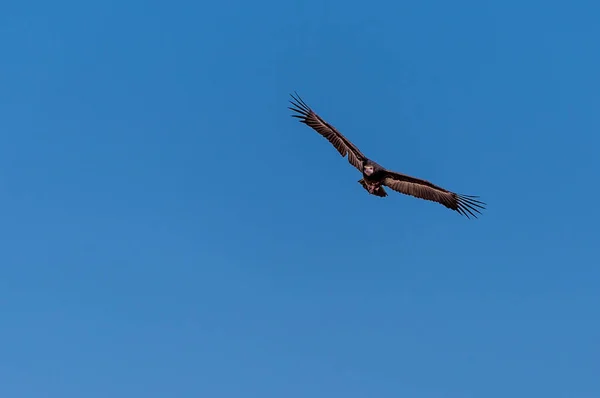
x=368 y=169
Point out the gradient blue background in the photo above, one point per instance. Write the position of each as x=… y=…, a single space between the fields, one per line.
x=168 y=230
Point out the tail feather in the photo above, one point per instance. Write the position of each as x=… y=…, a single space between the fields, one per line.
x=379 y=192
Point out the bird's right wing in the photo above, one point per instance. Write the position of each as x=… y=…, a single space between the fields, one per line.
x=341 y=143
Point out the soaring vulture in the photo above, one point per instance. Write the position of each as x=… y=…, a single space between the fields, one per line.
x=376 y=176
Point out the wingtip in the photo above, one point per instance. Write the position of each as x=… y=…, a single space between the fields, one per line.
x=468 y=205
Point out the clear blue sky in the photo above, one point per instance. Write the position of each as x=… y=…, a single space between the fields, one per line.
x=168 y=230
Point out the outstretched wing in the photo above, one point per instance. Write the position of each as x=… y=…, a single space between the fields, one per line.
x=422 y=189
x=341 y=143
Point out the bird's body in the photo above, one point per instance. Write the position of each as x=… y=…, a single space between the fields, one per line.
x=375 y=177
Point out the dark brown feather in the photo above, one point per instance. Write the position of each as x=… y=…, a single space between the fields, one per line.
x=463 y=204
x=341 y=143
x=378 y=192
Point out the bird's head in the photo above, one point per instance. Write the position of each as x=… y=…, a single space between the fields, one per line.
x=368 y=169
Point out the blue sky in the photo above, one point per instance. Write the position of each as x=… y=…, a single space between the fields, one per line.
x=169 y=230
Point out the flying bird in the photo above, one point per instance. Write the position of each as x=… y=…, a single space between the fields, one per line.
x=375 y=177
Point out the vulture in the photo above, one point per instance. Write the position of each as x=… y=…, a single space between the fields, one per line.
x=375 y=177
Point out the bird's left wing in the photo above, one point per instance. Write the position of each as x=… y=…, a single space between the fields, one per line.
x=341 y=143
x=422 y=189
